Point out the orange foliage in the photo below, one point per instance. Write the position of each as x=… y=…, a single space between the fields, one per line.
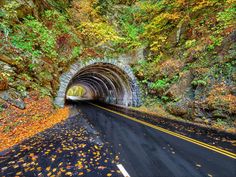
x=18 y=125
x=220 y=97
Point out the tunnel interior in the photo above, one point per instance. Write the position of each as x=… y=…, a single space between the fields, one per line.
x=106 y=82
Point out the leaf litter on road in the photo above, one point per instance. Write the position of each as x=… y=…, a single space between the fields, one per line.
x=67 y=149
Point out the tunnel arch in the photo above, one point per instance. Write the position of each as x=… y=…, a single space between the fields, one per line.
x=107 y=80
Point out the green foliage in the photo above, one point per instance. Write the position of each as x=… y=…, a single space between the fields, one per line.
x=131 y=33
x=216 y=41
x=9 y=12
x=160 y=84
x=32 y=66
x=165 y=98
x=44 y=91
x=59 y=21
x=76 y=51
x=221 y=122
x=22 y=90
x=1 y=108
x=34 y=38
x=199 y=83
x=130 y=29
x=225 y=70
x=227 y=16
x=190 y=43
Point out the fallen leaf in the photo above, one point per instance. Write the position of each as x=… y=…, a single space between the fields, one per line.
x=81 y=173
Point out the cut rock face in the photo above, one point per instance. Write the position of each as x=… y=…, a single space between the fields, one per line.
x=182 y=87
x=12 y=97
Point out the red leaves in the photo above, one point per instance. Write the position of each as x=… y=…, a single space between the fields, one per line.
x=63 y=40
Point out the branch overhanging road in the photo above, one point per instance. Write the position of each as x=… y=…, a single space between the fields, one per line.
x=100 y=142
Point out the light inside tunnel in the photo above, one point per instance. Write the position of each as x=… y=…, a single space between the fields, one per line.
x=105 y=82
x=77 y=91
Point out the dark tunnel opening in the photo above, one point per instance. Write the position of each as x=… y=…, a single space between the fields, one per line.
x=104 y=82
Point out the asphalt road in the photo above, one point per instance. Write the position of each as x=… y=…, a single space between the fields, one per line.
x=93 y=141
x=146 y=152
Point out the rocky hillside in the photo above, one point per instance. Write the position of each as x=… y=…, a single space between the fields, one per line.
x=188 y=49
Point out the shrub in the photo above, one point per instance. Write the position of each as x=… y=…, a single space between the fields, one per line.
x=227 y=16
x=215 y=41
x=34 y=37
x=160 y=84
x=199 y=83
x=190 y=43
x=97 y=34
x=158 y=29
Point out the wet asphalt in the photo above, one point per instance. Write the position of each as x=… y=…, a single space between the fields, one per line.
x=93 y=141
x=145 y=152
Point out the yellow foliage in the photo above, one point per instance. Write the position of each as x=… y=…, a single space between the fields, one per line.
x=157 y=30
x=203 y=4
x=158 y=24
x=151 y=9
x=169 y=16
x=181 y=2
x=76 y=91
x=156 y=45
x=98 y=33
x=231 y=1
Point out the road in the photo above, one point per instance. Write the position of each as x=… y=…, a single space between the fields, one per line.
x=146 y=152
x=94 y=141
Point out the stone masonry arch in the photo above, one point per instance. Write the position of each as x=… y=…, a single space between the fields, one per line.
x=108 y=80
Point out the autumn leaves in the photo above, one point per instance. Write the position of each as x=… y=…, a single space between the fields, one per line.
x=67 y=149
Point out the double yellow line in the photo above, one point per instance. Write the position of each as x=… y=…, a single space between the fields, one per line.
x=205 y=145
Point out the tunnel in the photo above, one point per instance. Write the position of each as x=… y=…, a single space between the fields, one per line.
x=106 y=81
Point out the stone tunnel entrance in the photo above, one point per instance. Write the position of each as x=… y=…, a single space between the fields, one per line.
x=108 y=81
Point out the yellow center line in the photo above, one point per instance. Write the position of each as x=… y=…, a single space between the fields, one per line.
x=205 y=145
